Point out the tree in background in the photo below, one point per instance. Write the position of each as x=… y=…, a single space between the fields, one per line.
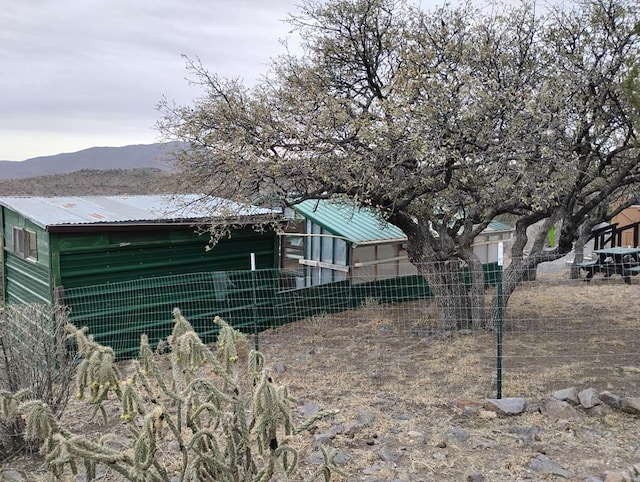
x=440 y=120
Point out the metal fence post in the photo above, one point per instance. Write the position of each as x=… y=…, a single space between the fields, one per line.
x=499 y=321
x=256 y=343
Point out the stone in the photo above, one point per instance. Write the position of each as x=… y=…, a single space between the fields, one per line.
x=589 y=398
x=567 y=395
x=558 y=409
x=475 y=477
x=544 y=465
x=506 y=406
x=388 y=455
x=11 y=475
x=365 y=418
x=458 y=434
x=616 y=476
x=310 y=409
x=417 y=436
x=610 y=399
x=630 y=405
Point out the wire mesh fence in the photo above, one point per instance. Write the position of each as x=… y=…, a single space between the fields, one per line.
x=398 y=334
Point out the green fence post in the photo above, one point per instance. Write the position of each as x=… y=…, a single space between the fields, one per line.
x=254 y=311
x=499 y=321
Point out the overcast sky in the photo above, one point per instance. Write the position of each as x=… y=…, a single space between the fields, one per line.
x=81 y=73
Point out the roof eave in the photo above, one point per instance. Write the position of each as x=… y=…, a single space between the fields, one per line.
x=141 y=225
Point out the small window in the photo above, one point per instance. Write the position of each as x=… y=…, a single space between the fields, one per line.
x=25 y=243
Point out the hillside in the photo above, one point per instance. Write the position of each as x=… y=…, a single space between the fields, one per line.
x=92 y=182
x=96 y=158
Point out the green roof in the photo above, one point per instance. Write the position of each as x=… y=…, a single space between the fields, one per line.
x=356 y=225
x=498 y=226
x=360 y=225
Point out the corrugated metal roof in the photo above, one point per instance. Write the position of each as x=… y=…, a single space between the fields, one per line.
x=357 y=225
x=56 y=211
x=360 y=225
x=498 y=226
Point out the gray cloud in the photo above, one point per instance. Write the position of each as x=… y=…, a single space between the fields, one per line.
x=82 y=73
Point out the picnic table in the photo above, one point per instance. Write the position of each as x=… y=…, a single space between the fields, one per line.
x=610 y=261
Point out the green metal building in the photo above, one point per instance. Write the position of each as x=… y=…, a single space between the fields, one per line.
x=53 y=244
x=122 y=263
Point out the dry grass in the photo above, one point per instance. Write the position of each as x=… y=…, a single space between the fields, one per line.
x=387 y=359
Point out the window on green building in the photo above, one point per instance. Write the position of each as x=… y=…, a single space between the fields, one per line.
x=25 y=243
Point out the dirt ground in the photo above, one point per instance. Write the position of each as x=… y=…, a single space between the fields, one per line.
x=395 y=380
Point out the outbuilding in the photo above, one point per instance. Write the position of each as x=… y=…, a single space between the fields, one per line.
x=331 y=241
x=81 y=251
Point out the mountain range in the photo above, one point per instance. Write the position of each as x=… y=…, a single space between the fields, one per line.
x=95 y=158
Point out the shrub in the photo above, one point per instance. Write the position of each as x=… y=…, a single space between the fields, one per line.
x=34 y=364
x=211 y=415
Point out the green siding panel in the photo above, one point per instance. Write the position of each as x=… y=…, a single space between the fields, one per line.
x=179 y=255
x=25 y=281
x=117 y=314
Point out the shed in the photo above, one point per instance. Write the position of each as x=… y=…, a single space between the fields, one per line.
x=82 y=251
x=333 y=241
x=50 y=244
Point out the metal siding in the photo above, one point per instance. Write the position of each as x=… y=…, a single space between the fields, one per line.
x=26 y=281
x=100 y=264
x=117 y=314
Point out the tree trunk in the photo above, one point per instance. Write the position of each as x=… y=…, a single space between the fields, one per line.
x=459 y=293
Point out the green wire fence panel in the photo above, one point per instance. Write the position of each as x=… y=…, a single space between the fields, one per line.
x=117 y=314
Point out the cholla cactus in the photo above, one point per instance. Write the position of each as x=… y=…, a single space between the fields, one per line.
x=218 y=408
